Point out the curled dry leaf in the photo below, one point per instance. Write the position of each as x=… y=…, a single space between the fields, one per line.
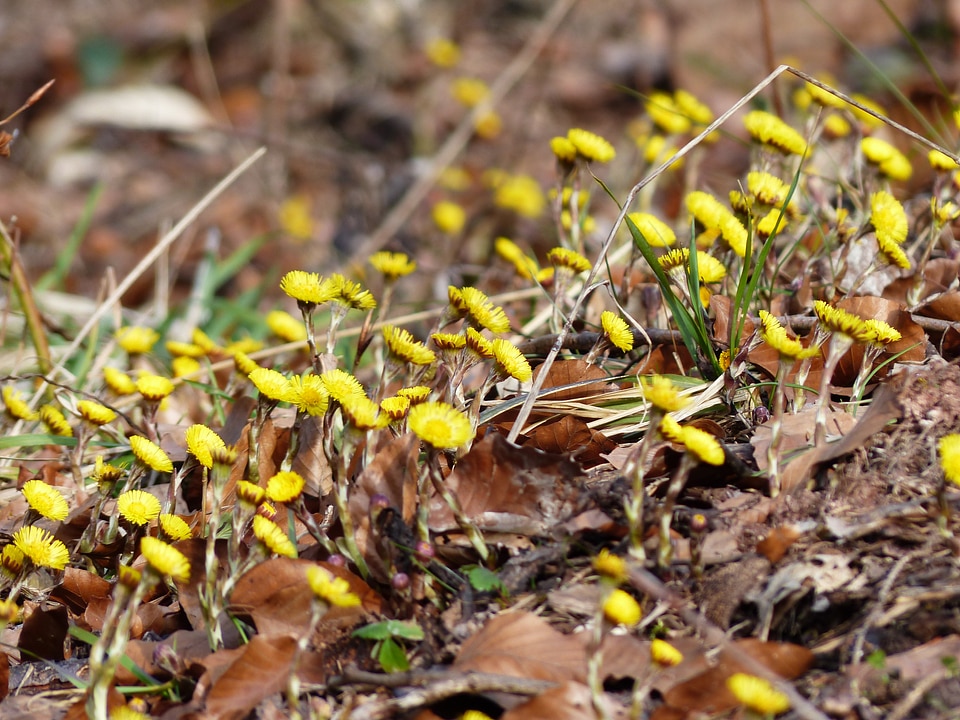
x=310 y=461
x=255 y=671
x=572 y=436
x=505 y=488
x=523 y=645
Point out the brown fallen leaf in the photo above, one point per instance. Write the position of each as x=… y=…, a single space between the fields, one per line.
x=523 y=645
x=255 y=671
x=572 y=436
x=44 y=632
x=570 y=701
x=797 y=432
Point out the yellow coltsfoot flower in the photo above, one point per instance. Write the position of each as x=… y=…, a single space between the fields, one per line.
x=773 y=132
x=330 y=589
x=285 y=326
x=150 y=454
x=43 y=549
x=440 y=425
x=95 y=413
x=272 y=537
x=617 y=331
x=46 y=500
x=138 y=507
x=757 y=694
x=165 y=559
x=404 y=348
x=510 y=361
x=285 y=486
x=154 y=388
x=590 y=146
x=174 y=527
x=620 y=608
x=136 y=340
x=17 y=407
x=201 y=441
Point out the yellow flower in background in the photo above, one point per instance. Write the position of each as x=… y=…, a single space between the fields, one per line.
x=757 y=694
x=174 y=527
x=469 y=91
x=249 y=493
x=273 y=538
x=882 y=333
x=118 y=381
x=285 y=326
x=887 y=158
x=136 y=340
x=525 y=265
x=449 y=217
x=704 y=445
x=941 y=161
x=271 y=383
x=309 y=394
x=892 y=252
x=773 y=132
x=165 y=559
x=396 y=407
x=610 y=566
x=341 y=385
x=416 y=394
x=201 y=441
x=666 y=114
x=520 y=193
x=443 y=52
x=295 y=218
x=569 y=259
x=285 y=486
x=692 y=107
x=670 y=429
x=95 y=413
x=591 y=146
x=617 y=330
x=564 y=149
x=949 y=447
x=481 y=311
x=510 y=361
x=664 y=654
x=392 y=265
x=351 y=294
x=771 y=223
x=656 y=232
x=620 y=608
x=440 y=425
x=713 y=215
x=660 y=392
x=17 y=407
x=332 y=590
x=405 y=348
x=43 y=549
x=867 y=121
x=841 y=321
x=488 y=125
x=150 y=454
x=46 y=500
x=888 y=217
x=138 y=507
x=184 y=366
x=154 y=387
x=11 y=560
x=199 y=338
x=836 y=126
x=55 y=421
x=244 y=364
x=183 y=349
x=776 y=337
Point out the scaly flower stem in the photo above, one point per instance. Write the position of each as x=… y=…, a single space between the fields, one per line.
x=776 y=429
x=635 y=470
x=839 y=344
x=665 y=552
x=466 y=524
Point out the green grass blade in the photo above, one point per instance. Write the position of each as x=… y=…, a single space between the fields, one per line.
x=35 y=440
x=54 y=277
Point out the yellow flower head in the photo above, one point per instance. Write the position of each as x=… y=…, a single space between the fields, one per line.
x=405 y=348
x=841 y=321
x=888 y=218
x=836 y=126
x=105 y=474
x=692 y=107
x=17 y=407
x=249 y=493
x=271 y=384
x=416 y=394
x=656 y=232
x=771 y=223
x=757 y=694
x=46 y=500
x=396 y=407
x=341 y=385
x=525 y=265
x=704 y=445
x=522 y=194
x=443 y=52
x=569 y=260
x=201 y=441
x=285 y=326
x=888 y=159
x=882 y=333
x=174 y=527
x=773 y=132
x=273 y=538
x=949 y=447
x=610 y=566
x=478 y=344
x=350 y=294
x=9 y=612
x=136 y=340
x=941 y=161
x=449 y=217
x=448 y=341
x=308 y=394
x=305 y=287
x=620 y=608
x=440 y=425
x=481 y=312
x=713 y=215
x=55 y=421
x=95 y=413
x=617 y=330
x=285 y=486
x=330 y=589
x=510 y=361
x=776 y=337
x=363 y=413
x=670 y=429
x=469 y=91
x=892 y=252
x=591 y=146
x=564 y=149
x=392 y=265
x=150 y=454
x=184 y=349
x=184 y=366
x=138 y=507
x=118 y=381
x=154 y=387
x=165 y=559
x=663 y=394
x=664 y=654
x=43 y=549
x=665 y=113
x=11 y=561
x=767 y=189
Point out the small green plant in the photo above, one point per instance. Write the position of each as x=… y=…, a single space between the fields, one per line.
x=388 y=651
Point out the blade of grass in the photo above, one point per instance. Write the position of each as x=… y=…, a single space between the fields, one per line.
x=55 y=276
x=35 y=440
x=89 y=638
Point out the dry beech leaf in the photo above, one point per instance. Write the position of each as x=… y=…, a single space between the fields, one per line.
x=775 y=545
x=276 y=595
x=4 y=674
x=80 y=587
x=190 y=647
x=894 y=314
x=44 y=632
x=706 y=692
x=392 y=473
x=572 y=436
x=570 y=372
x=511 y=489
x=797 y=432
x=257 y=670
x=310 y=460
x=523 y=645
x=939 y=276
x=570 y=701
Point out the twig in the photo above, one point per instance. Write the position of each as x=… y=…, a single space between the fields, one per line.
x=461 y=135
x=432 y=687
x=583 y=341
